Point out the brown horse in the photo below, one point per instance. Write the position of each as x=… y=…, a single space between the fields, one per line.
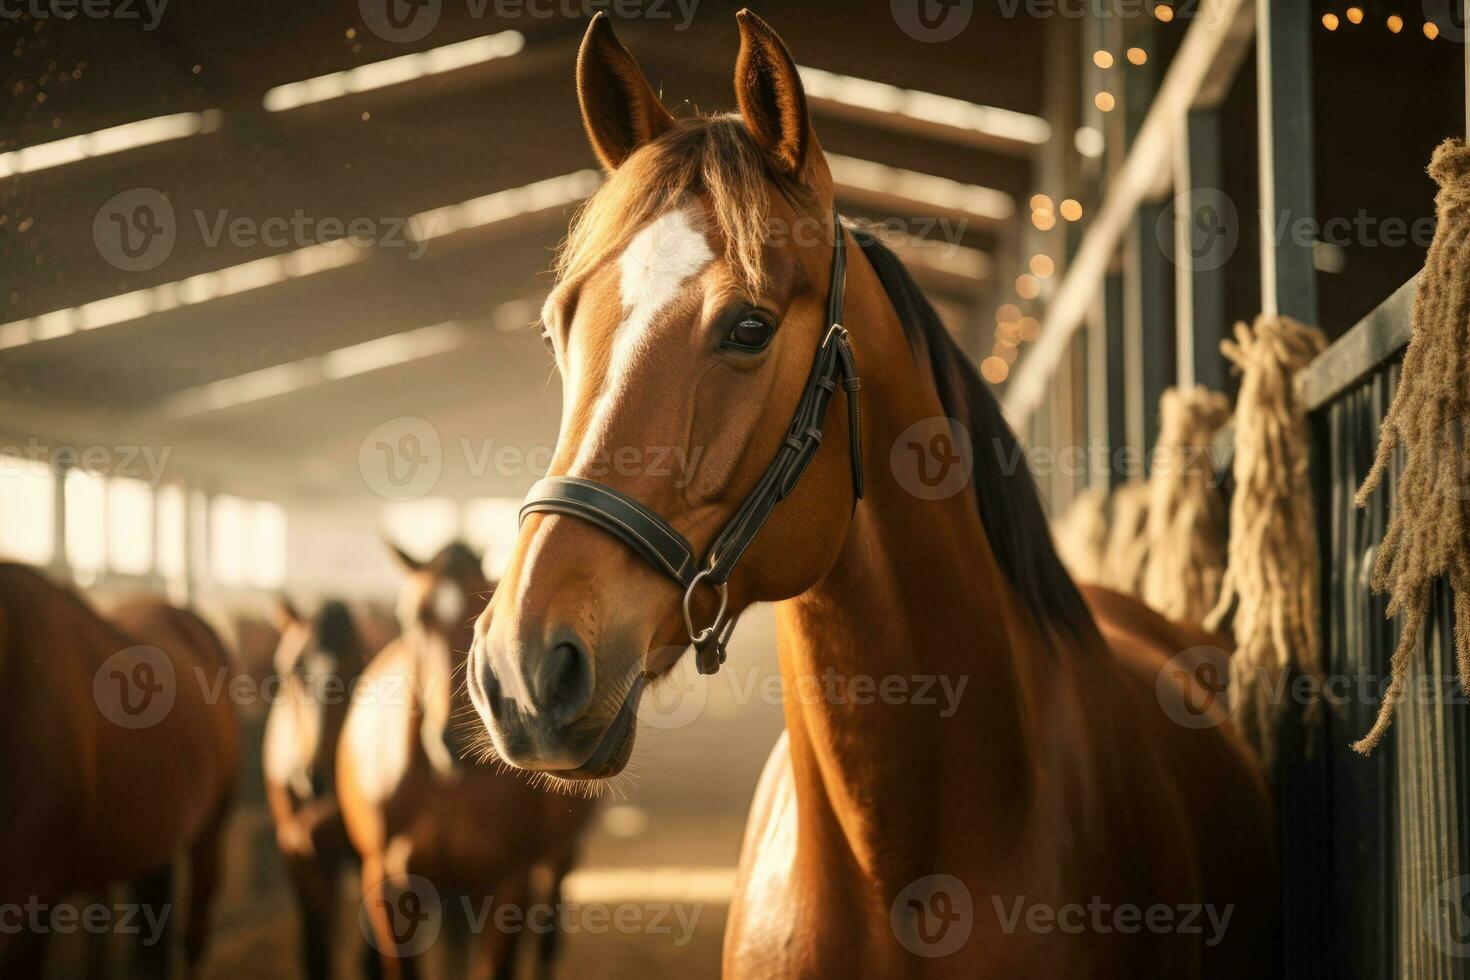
x=120 y=749
x=423 y=807
x=318 y=662
x=1026 y=834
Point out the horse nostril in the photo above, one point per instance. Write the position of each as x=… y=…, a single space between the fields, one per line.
x=562 y=684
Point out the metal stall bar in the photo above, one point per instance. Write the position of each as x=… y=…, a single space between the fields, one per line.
x=1288 y=186
x=1198 y=76
x=1199 y=277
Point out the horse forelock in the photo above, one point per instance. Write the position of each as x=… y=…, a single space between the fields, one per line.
x=712 y=158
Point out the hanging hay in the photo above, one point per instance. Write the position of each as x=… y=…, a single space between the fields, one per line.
x=1127 y=547
x=1186 y=516
x=1081 y=534
x=1271 y=578
x=1428 y=535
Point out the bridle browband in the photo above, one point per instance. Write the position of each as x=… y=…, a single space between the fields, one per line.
x=656 y=540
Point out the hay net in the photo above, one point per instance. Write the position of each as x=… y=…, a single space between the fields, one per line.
x=1271 y=573
x=1081 y=534
x=1127 y=543
x=1185 y=527
x=1428 y=534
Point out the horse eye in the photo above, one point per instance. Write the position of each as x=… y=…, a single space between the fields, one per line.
x=750 y=333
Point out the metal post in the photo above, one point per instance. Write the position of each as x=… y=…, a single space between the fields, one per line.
x=1284 y=101
x=1147 y=304
x=1116 y=367
x=1199 y=273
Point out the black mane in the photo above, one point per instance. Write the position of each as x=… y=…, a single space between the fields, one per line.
x=1010 y=506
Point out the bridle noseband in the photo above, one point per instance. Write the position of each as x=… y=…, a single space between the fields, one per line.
x=666 y=549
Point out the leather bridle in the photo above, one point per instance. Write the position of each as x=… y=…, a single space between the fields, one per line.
x=656 y=540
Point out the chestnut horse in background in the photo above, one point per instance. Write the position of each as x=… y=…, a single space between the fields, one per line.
x=885 y=838
x=422 y=803
x=120 y=752
x=318 y=661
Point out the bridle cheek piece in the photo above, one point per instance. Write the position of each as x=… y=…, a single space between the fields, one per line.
x=663 y=547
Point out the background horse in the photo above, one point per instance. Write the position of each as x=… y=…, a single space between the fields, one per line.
x=424 y=807
x=120 y=749
x=318 y=662
x=885 y=838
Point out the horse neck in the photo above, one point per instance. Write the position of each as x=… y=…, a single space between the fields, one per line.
x=917 y=601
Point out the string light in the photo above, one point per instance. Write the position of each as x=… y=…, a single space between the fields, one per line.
x=1027 y=286
x=1355 y=15
x=1102 y=59
x=1040 y=202
x=1431 y=30
x=1071 y=210
x=1395 y=23
x=1330 y=21
x=1137 y=55
x=1030 y=328
x=1006 y=354
x=1043 y=219
x=1164 y=13
x=1104 y=101
x=1008 y=334
x=1042 y=266
x=994 y=370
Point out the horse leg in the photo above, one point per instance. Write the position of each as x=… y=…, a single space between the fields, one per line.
x=498 y=951
x=313 y=882
x=393 y=916
x=204 y=871
x=154 y=895
x=23 y=954
x=549 y=942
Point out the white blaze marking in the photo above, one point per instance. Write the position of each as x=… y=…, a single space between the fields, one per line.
x=654 y=268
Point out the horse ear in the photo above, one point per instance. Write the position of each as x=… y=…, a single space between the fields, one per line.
x=619 y=107
x=284 y=614
x=773 y=103
x=405 y=561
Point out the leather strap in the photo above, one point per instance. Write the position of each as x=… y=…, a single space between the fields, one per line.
x=663 y=547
